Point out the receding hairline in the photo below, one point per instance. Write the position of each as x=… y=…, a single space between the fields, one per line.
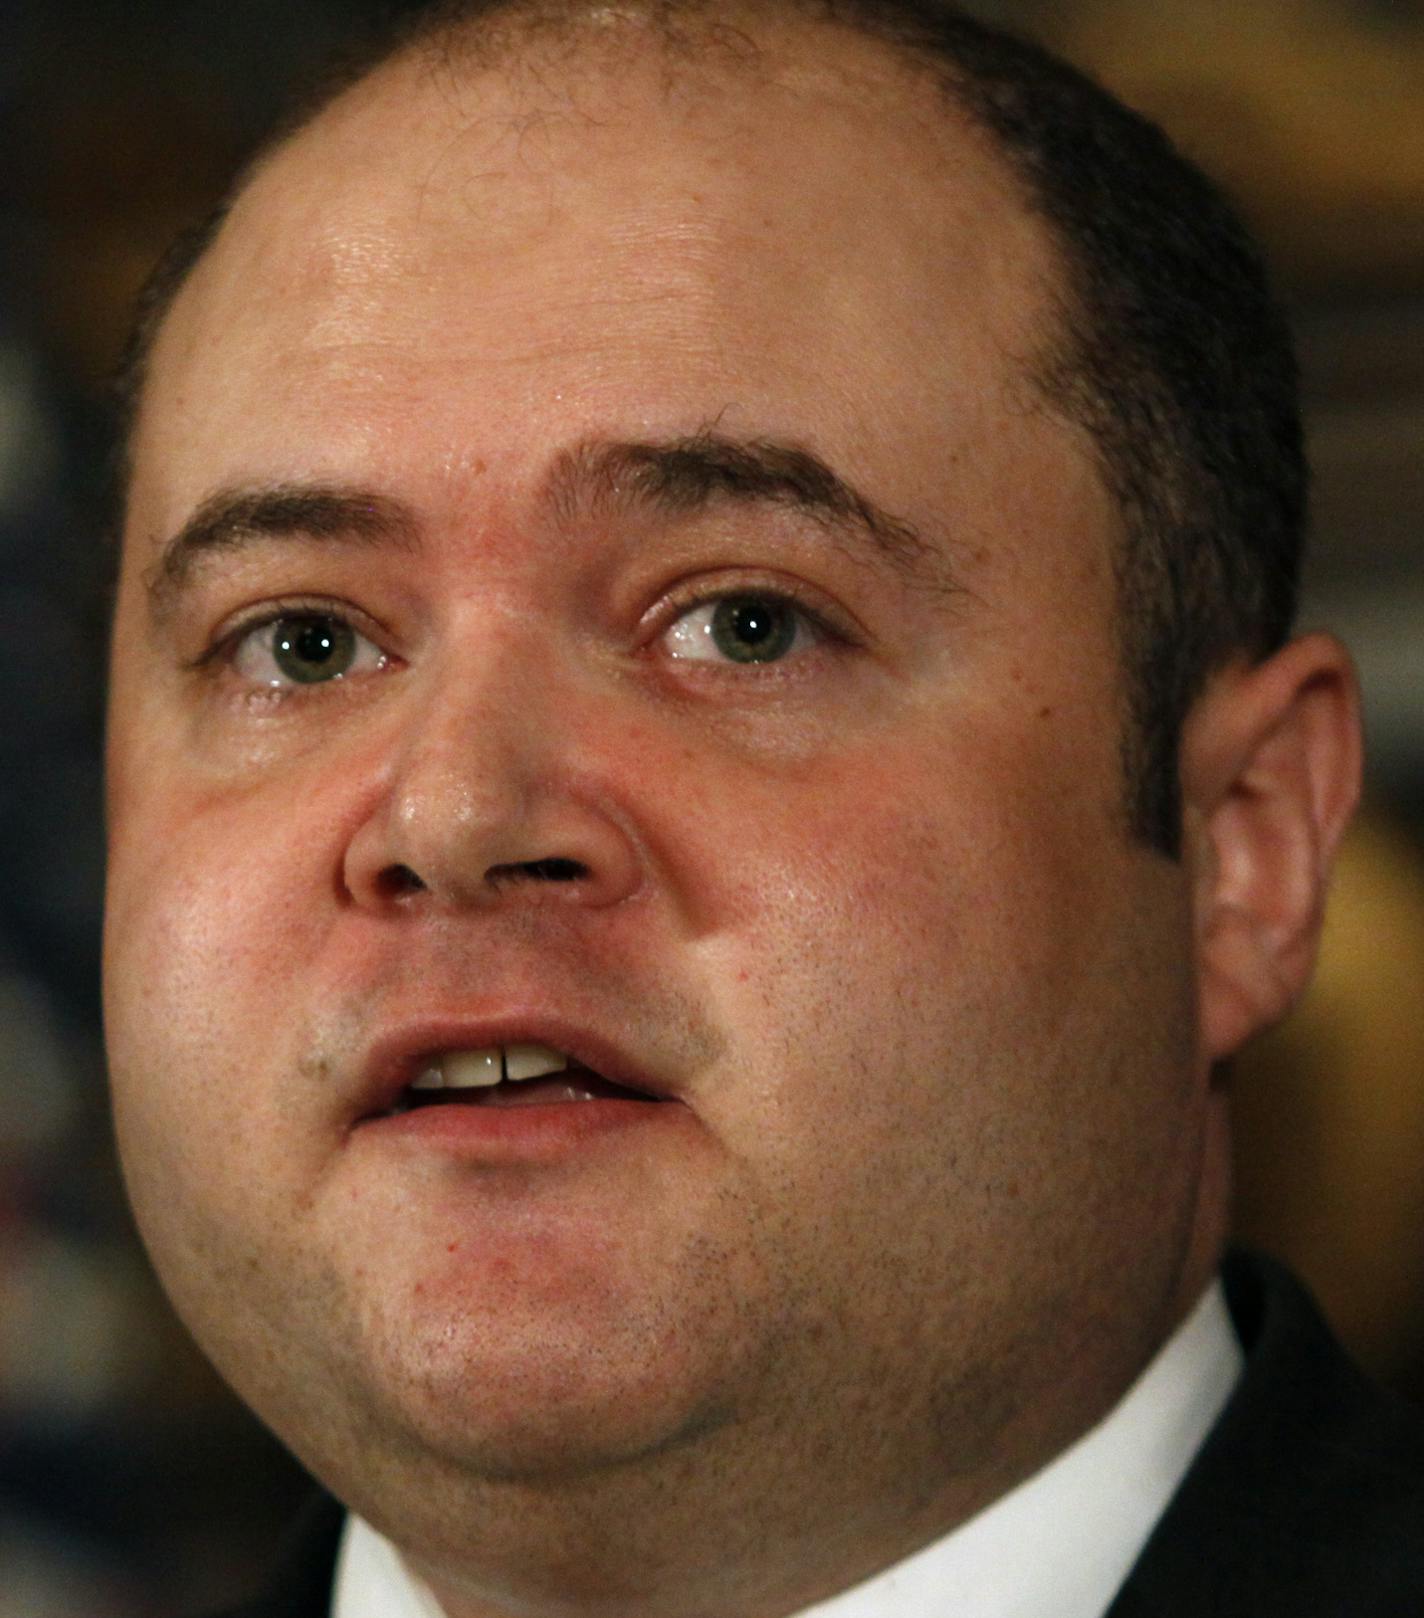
x=451 y=47
x=545 y=49
x=708 y=34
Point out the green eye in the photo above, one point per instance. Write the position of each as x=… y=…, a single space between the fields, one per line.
x=303 y=648
x=754 y=629
x=741 y=629
x=312 y=648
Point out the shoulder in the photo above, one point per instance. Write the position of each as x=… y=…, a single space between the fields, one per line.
x=1309 y=1494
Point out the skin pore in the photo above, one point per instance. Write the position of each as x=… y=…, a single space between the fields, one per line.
x=515 y=371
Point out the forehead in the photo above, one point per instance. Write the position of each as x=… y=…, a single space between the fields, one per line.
x=610 y=231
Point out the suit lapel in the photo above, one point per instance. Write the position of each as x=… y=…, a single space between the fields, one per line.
x=301 y=1587
x=1308 y=1497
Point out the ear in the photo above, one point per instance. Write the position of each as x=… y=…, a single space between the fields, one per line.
x=1270 y=777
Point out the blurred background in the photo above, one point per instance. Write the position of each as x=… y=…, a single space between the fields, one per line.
x=130 y=1483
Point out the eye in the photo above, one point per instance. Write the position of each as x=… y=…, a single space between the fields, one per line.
x=303 y=648
x=745 y=628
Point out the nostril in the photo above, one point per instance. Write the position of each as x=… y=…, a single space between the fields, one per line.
x=557 y=870
x=549 y=870
x=398 y=880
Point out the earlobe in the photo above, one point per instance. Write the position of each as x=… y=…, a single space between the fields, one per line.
x=1270 y=777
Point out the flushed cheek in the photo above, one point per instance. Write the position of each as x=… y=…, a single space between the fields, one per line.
x=902 y=919
x=210 y=932
x=220 y=1147
x=246 y=849
x=195 y=994
x=899 y=851
x=214 y=900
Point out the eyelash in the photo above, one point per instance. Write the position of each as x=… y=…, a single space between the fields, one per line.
x=826 y=626
x=222 y=654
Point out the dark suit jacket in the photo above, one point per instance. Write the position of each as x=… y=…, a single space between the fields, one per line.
x=1307 y=1500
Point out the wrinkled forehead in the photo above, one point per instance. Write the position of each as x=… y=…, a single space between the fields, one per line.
x=806 y=199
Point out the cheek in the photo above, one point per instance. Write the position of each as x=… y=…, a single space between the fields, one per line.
x=208 y=905
x=214 y=901
x=977 y=860
x=918 y=946
x=961 y=1028
x=224 y=870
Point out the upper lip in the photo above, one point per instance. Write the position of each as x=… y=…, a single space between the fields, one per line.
x=395 y=1057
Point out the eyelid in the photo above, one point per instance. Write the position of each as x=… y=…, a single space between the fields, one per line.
x=247 y=621
x=826 y=617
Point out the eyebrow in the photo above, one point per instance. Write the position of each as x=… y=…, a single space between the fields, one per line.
x=234 y=517
x=681 y=476
x=678 y=476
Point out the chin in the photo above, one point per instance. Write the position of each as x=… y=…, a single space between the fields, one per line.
x=526 y=1409
x=559 y=1445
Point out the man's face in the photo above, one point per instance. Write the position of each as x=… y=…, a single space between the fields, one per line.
x=837 y=802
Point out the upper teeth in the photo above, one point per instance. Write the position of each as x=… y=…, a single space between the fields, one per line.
x=473 y=1070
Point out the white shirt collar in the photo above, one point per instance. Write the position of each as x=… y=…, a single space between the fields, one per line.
x=1058 y=1546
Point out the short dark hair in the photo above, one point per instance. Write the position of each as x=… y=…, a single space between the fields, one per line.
x=1170 y=352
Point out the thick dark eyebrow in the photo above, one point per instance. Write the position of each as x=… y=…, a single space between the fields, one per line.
x=684 y=475
x=678 y=476
x=235 y=517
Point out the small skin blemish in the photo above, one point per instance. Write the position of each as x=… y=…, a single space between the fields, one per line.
x=1046 y=712
x=317 y=1068
x=453 y=1247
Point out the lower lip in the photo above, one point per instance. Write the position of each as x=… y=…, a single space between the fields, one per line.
x=520 y=1132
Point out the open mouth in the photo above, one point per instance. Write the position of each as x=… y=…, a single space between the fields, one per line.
x=518 y=1075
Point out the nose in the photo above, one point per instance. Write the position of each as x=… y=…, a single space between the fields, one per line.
x=489 y=800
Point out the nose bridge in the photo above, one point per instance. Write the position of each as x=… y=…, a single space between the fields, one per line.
x=478 y=731
x=493 y=794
